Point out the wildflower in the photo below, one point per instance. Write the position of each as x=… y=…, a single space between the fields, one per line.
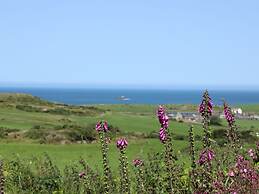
x=251 y=153
x=206 y=156
x=98 y=126
x=122 y=143
x=206 y=105
x=231 y=173
x=137 y=162
x=205 y=110
x=102 y=126
x=164 y=121
x=191 y=141
x=218 y=186
x=165 y=138
x=228 y=114
x=105 y=126
x=162 y=117
x=108 y=140
x=162 y=135
x=2 y=178
x=82 y=174
x=140 y=188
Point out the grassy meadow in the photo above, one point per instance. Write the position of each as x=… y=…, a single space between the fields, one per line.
x=136 y=122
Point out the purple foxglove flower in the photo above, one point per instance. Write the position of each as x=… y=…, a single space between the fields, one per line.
x=231 y=173
x=162 y=135
x=202 y=107
x=98 y=126
x=122 y=143
x=137 y=162
x=210 y=155
x=162 y=117
x=228 y=114
x=105 y=126
x=206 y=156
x=251 y=153
x=102 y=126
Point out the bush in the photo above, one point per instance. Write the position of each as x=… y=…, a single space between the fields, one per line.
x=215 y=120
x=36 y=133
x=246 y=136
x=180 y=137
x=79 y=133
x=4 y=131
x=219 y=133
x=38 y=175
x=28 y=108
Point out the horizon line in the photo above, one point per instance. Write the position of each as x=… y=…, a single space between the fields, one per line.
x=129 y=86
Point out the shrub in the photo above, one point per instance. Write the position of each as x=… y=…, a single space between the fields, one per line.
x=36 y=133
x=79 y=133
x=218 y=133
x=180 y=137
x=215 y=120
x=246 y=136
x=4 y=131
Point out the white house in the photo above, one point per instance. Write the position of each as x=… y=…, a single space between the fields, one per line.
x=237 y=111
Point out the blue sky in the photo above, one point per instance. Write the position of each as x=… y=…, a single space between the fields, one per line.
x=130 y=43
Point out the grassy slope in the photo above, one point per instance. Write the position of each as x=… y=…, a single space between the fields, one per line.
x=129 y=118
x=66 y=154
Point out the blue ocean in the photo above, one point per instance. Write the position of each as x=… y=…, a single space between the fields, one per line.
x=131 y=96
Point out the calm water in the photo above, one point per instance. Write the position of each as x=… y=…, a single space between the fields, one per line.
x=107 y=96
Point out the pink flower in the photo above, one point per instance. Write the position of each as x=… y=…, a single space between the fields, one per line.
x=206 y=156
x=122 y=143
x=162 y=135
x=206 y=104
x=231 y=173
x=102 y=126
x=82 y=174
x=98 y=126
x=105 y=126
x=162 y=117
x=228 y=114
x=164 y=121
x=137 y=162
x=251 y=153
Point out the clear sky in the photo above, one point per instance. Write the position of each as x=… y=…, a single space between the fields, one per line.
x=130 y=43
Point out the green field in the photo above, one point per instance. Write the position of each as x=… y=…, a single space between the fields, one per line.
x=135 y=122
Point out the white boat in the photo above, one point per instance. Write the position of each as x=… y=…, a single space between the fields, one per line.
x=123 y=98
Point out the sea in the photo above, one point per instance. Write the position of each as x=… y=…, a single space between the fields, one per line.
x=81 y=96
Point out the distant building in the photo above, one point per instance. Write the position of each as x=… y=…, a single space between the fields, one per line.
x=256 y=117
x=186 y=116
x=237 y=111
x=175 y=115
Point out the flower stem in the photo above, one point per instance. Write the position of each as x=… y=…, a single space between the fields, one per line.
x=107 y=171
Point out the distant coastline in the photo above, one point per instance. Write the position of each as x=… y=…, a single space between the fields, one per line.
x=110 y=96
